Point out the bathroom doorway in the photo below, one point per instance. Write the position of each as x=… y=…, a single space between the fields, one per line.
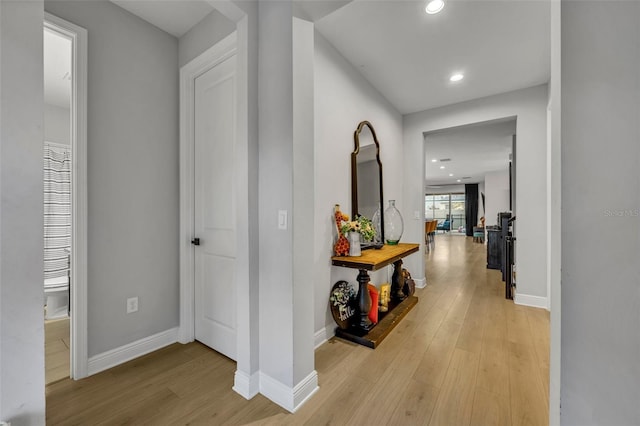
x=65 y=199
x=57 y=165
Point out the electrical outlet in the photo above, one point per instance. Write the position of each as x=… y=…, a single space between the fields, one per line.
x=132 y=305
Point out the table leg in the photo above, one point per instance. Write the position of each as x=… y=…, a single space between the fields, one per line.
x=397 y=282
x=364 y=301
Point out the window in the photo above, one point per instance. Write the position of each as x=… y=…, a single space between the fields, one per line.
x=446 y=206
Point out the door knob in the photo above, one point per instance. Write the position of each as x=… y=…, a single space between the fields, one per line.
x=195 y=241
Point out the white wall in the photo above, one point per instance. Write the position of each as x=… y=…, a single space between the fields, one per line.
x=303 y=207
x=57 y=124
x=132 y=173
x=529 y=107
x=210 y=30
x=496 y=195
x=554 y=254
x=22 y=398
x=482 y=208
x=600 y=161
x=343 y=98
x=286 y=175
x=446 y=189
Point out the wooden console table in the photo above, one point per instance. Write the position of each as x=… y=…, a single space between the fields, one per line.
x=363 y=331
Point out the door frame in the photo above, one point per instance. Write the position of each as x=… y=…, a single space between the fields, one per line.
x=78 y=285
x=215 y=55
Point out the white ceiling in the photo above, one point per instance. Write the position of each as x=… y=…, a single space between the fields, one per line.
x=57 y=69
x=407 y=55
x=473 y=150
x=500 y=45
x=173 y=16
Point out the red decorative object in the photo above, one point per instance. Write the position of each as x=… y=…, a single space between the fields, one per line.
x=341 y=247
x=373 y=312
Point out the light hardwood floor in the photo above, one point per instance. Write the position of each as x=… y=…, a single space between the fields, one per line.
x=463 y=356
x=56 y=349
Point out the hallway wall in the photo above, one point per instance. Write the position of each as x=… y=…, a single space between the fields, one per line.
x=210 y=30
x=343 y=98
x=22 y=398
x=496 y=195
x=132 y=173
x=600 y=350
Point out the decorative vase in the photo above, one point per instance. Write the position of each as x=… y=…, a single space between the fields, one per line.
x=393 y=224
x=354 y=244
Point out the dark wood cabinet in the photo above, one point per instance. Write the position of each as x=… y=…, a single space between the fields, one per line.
x=494 y=248
x=500 y=248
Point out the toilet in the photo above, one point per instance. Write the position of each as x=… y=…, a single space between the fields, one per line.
x=56 y=293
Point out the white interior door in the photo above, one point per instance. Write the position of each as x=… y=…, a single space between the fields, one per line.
x=215 y=208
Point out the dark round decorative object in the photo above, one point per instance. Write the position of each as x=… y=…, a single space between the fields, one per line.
x=343 y=303
x=409 y=284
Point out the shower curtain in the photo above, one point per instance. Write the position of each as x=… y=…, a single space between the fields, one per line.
x=57 y=209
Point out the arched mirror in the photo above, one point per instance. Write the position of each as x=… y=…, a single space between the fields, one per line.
x=366 y=178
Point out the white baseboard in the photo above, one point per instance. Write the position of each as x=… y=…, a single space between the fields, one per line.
x=289 y=398
x=246 y=385
x=533 y=301
x=125 y=353
x=321 y=336
x=420 y=282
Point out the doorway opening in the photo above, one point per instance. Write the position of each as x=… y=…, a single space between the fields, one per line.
x=57 y=203
x=65 y=199
x=479 y=155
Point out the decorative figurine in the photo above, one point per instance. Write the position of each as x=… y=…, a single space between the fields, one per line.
x=385 y=289
x=341 y=247
x=409 y=284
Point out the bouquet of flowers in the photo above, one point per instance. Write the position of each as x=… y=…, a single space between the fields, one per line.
x=362 y=225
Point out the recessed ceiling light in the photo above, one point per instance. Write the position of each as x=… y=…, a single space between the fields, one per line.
x=434 y=160
x=450 y=174
x=442 y=167
x=458 y=180
x=434 y=6
x=456 y=77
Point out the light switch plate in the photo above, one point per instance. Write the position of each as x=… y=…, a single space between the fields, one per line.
x=132 y=305
x=282 y=219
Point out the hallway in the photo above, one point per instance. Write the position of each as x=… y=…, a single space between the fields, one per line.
x=463 y=356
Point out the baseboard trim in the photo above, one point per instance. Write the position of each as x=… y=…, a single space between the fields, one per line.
x=246 y=385
x=319 y=338
x=304 y=390
x=323 y=335
x=532 y=301
x=125 y=353
x=289 y=398
x=420 y=282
